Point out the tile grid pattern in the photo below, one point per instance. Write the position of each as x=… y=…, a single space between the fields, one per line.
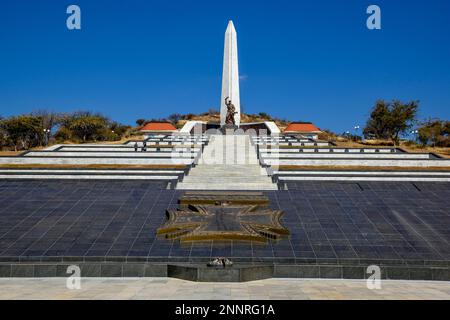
x=344 y=223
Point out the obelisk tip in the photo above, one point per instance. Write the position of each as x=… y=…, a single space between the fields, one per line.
x=230 y=27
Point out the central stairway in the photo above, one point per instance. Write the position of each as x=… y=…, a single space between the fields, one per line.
x=228 y=162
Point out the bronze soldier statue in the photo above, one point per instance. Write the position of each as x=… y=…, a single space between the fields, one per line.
x=231 y=111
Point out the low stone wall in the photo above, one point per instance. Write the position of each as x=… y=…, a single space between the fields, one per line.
x=166 y=143
x=360 y=155
x=327 y=150
x=124 y=149
x=359 y=162
x=365 y=178
x=147 y=154
x=361 y=173
x=95 y=160
x=86 y=177
x=297 y=144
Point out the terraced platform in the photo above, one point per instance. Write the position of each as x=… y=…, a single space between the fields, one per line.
x=99 y=206
x=229 y=163
x=165 y=158
x=288 y=158
x=336 y=230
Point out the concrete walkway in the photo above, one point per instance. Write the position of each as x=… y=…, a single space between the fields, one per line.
x=228 y=162
x=168 y=288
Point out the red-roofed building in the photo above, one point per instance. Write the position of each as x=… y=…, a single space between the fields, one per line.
x=158 y=127
x=306 y=129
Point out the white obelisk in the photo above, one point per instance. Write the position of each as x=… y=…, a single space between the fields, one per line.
x=230 y=75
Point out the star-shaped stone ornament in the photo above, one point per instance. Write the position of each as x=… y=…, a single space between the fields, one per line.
x=223 y=220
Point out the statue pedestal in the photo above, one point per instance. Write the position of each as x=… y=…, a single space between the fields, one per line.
x=229 y=128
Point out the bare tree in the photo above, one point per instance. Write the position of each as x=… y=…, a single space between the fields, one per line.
x=49 y=120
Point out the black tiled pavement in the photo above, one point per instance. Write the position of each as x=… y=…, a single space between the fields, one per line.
x=394 y=223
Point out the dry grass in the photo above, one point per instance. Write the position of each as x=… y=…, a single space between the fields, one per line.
x=9 y=153
x=121 y=141
x=445 y=152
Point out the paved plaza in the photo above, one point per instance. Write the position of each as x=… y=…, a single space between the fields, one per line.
x=328 y=223
x=336 y=230
x=168 y=288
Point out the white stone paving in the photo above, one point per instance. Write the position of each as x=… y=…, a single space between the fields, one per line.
x=96 y=160
x=270 y=289
x=131 y=154
x=97 y=171
x=360 y=155
x=126 y=149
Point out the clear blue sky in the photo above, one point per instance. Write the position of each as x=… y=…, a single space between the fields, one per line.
x=301 y=60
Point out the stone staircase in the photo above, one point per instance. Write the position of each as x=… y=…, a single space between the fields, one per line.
x=228 y=162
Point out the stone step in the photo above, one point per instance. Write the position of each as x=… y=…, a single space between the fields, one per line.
x=227 y=172
x=229 y=180
x=213 y=186
x=251 y=172
x=221 y=177
x=229 y=167
x=225 y=175
x=237 y=168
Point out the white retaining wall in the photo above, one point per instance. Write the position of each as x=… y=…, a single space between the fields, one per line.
x=77 y=161
x=346 y=155
x=359 y=162
x=111 y=154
